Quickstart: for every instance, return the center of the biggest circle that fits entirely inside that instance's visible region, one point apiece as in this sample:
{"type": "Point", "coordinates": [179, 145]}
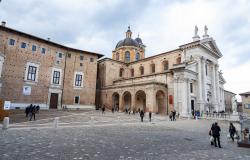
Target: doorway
{"type": "Point", "coordinates": [192, 107]}
{"type": "Point", "coordinates": [53, 101]}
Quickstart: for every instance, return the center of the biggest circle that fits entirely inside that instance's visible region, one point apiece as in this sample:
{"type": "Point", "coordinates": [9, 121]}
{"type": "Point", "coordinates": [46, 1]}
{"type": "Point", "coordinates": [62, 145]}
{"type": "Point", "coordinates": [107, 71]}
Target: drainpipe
{"type": "Point", "coordinates": [64, 72]}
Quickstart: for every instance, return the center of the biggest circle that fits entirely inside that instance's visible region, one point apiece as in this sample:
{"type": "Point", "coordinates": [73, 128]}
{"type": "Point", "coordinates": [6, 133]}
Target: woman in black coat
{"type": "Point", "coordinates": [232, 131]}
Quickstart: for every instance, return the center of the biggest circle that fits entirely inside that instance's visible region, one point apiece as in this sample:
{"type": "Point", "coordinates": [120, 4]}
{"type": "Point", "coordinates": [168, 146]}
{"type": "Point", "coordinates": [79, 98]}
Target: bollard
{"type": "Point", "coordinates": [196, 117]}
{"type": "Point", "coordinates": [6, 122]}
{"type": "Point", "coordinates": [56, 122]}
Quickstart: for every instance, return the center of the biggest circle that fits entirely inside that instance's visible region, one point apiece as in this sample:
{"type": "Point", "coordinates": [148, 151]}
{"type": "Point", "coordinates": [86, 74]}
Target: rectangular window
{"type": "Point", "coordinates": [12, 42]}
{"type": "Point", "coordinates": [56, 77]}
{"type": "Point", "coordinates": [91, 59]}
{"type": "Point", "coordinates": [77, 99]}
{"type": "Point", "coordinates": [60, 55]}
{"type": "Point", "coordinates": [80, 64]}
{"type": "Point", "coordinates": [81, 58]}
{"type": "Point", "coordinates": [43, 50]}
{"type": "Point", "coordinates": [23, 45]}
{"type": "Point", "coordinates": [247, 106]}
{"type": "Point", "coordinates": [69, 55]}
{"type": "Point", "coordinates": [33, 48]}
{"type": "Point", "coordinates": [78, 81]}
{"type": "Point", "coordinates": [191, 87]}
{"type": "Point", "coordinates": [32, 73]}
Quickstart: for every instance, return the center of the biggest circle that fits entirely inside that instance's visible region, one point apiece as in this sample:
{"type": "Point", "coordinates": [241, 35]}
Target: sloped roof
{"type": "Point", "coordinates": [7, 29]}
{"type": "Point", "coordinates": [245, 93]}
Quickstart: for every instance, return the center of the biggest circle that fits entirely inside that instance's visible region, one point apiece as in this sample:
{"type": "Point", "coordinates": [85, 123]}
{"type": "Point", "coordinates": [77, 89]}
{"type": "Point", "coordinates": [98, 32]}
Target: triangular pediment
{"type": "Point", "coordinates": [210, 45]}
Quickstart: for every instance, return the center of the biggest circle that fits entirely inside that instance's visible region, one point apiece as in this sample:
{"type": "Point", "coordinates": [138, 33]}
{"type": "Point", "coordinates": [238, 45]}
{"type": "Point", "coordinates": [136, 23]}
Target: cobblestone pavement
{"type": "Point", "coordinates": [18, 116]}
{"type": "Point", "coordinates": [116, 137]}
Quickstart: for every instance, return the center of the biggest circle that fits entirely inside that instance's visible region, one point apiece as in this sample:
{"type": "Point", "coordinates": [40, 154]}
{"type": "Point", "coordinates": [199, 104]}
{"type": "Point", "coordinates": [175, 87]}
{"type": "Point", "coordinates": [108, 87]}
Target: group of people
{"type": "Point", "coordinates": [31, 111]}
{"type": "Point", "coordinates": [172, 115]}
{"type": "Point", "coordinates": [215, 134]}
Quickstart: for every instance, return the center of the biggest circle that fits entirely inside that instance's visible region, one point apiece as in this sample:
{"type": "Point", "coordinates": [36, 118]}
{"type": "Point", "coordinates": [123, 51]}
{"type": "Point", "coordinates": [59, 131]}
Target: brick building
{"type": "Point", "coordinates": [39, 71]}
{"type": "Point", "coordinates": [228, 100]}
{"type": "Point", "coordinates": [245, 102]}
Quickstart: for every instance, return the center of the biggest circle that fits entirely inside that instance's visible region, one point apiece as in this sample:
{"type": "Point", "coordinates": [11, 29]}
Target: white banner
{"type": "Point", "coordinates": [7, 105]}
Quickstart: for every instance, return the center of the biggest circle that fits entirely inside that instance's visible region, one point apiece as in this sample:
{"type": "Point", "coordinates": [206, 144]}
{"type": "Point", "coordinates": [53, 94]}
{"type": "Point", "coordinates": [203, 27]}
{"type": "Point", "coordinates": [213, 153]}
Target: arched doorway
{"type": "Point", "coordinates": [161, 102]}
{"type": "Point", "coordinates": [126, 100]}
{"type": "Point", "coordinates": [140, 100]}
{"type": "Point", "coordinates": [115, 101]}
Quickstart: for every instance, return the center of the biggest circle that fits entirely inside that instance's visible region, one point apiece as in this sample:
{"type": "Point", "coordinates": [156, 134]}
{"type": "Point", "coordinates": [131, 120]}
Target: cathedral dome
{"type": "Point", "coordinates": [127, 42]}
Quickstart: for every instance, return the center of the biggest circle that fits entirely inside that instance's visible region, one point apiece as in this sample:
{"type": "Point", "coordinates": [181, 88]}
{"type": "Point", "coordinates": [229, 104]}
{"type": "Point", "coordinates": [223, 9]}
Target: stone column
{"type": "Point", "coordinates": [151, 100]}
{"type": "Point", "coordinates": [204, 77]}
{"type": "Point", "coordinates": [214, 85]}
{"type": "Point", "coordinates": [132, 101]}
{"type": "Point", "coordinates": [184, 97]}
{"type": "Point", "coordinates": [217, 85]}
{"type": "Point", "coordinates": [201, 80]}
{"type": "Point", "coordinates": [121, 103]}
{"type": "Point", "coordinates": [175, 99]}
{"type": "Point", "coordinates": [188, 109]}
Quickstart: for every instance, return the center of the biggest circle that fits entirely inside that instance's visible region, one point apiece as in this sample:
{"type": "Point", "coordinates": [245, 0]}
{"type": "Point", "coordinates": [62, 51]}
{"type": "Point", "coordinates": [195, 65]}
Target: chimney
{"type": "Point", "coordinates": [3, 23]}
{"type": "Point", "coordinates": [48, 39]}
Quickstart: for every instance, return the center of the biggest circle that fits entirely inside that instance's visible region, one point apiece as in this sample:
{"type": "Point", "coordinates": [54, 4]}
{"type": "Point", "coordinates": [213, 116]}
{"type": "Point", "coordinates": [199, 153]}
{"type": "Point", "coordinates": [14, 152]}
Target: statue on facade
{"type": "Point", "coordinates": [205, 32]}
{"type": "Point", "coordinates": [234, 105]}
{"type": "Point", "coordinates": [195, 31]}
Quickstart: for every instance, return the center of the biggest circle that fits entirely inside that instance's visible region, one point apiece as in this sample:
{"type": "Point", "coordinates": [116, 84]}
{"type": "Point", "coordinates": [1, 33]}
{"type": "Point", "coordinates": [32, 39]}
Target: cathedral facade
{"type": "Point", "coordinates": [186, 79]}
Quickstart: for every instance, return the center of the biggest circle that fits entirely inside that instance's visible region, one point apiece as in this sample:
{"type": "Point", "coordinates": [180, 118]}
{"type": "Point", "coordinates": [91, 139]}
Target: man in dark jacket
{"type": "Point", "coordinates": [33, 112]}
{"type": "Point", "coordinates": [141, 115]}
{"type": "Point", "coordinates": [216, 134]}
{"type": "Point", "coordinates": [150, 115]}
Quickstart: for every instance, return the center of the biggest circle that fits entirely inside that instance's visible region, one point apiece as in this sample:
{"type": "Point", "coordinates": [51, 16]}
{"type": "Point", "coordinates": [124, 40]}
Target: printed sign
{"type": "Point", "coordinates": [7, 105]}
{"type": "Point", "coordinates": [26, 90]}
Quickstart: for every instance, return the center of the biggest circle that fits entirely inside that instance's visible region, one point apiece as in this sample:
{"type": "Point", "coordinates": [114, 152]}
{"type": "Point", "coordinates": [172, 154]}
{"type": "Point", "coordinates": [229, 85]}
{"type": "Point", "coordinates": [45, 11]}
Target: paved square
{"type": "Point", "coordinates": [115, 137]}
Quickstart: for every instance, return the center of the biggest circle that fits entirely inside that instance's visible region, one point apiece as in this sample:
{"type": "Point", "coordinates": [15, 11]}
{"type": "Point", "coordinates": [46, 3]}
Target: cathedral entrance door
{"type": "Point", "coordinates": [115, 101]}
{"type": "Point", "coordinates": [140, 100]}
{"type": "Point", "coordinates": [126, 100]}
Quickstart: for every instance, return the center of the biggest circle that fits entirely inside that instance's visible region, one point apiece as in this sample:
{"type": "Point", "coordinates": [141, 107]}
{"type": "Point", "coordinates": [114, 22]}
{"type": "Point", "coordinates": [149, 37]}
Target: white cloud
{"type": "Point", "coordinates": [163, 25]}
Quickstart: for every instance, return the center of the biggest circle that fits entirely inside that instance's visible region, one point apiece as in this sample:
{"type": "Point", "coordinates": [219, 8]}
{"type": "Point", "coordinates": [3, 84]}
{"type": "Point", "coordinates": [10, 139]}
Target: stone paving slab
{"type": "Point", "coordinates": [109, 139]}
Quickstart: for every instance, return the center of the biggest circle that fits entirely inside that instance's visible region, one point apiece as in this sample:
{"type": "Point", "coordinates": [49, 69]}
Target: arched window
{"type": "Point", "coordinates": [137, 56]}
{"type": "Point", "coordinates": [165, 65]}
{"type": "Point", "coordinates": [152, 68]}
{"type": "Point", "coordinates": [178, 60]}
{"type": "Point", "coordinates": [127, 56]}
{"type": "Point", "coordinates": [121, 72]}
{"type": "Point", "coordinates": [132, 72]}
{"type": "Point", "coordinates": [142, 70]}
{"type": "Point", "coordinates": [117, 56]}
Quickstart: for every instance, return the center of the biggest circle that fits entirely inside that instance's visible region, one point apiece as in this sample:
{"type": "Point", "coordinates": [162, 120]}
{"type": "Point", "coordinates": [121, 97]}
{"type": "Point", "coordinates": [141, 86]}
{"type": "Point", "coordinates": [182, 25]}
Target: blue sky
{"type": "Point", "coordinates": [97, 25]}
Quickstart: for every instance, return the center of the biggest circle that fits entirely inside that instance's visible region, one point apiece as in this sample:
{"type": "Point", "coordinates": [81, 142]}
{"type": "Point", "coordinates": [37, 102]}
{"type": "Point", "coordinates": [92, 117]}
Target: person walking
{"type": "Point", "coordinates": [211, 135]}
{"type": "Point", "coordinates": [113, 109]}
{"type": "Point", "coordinates": [103, 109]}
{"type": "Point", "coordinates": [33, 112]}
{"type": "Point", "coordinates": [27, 110]}
{"type": "Point", "coordinates": [174, 113]}
{"type": "Point", "coordinates": [171, 116]}
{"type": "Point", "coordinates": [232, 130]}
{"type": "Point", "coordinates": [141, 115]}
{"type": "Point", "coordinates": [216, 134]}
{"type": "Point", "coordinates": [150, 115]}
